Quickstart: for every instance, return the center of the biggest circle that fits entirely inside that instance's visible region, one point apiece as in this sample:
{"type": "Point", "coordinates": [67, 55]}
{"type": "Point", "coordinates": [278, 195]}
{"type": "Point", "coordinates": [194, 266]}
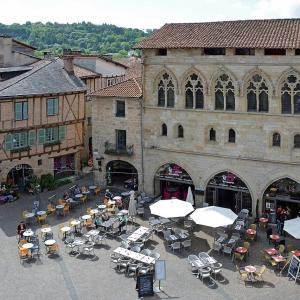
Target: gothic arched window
{"type": "Point", "coordinates": [180, 131]}
{"type": "Point", "coordinates": [166, 91]}
{"type": "Point", "coordinates": [290, 95]}
{"type": "Point", "coordinates": [257, 94]}
{"type": "Point", "coordinates": [194, 92]}
{"type": "Point", "coordinates": [276, 140]}
{"type": "Point", "coordinates": [164, 130]}
{"type": "Point", "coordinates": [231, 136]}
{"type": "Point", "coordinates": [224, 93]}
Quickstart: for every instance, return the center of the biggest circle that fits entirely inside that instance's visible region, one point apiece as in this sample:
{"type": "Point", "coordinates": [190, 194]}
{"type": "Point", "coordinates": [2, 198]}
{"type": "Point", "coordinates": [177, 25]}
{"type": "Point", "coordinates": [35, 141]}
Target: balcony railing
{"type": "Point", "coordinates": [115, 150]}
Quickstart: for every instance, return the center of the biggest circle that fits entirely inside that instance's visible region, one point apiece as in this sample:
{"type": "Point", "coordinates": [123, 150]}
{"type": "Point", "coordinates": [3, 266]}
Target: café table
{"type": "Point", "coordinates": [117, 198]}
{"type": "Point", "coordinates": [250, 272]}
{"type": "Point", "coordinates": [92, 187]}
{"type": "Point", "coordinates": [271, 251]}
{"type": "Point", "coordinates": [41, 213]}
{"type": "Point", "coordinates": [59, 209]}
{"type": "Point", "coordinates": [78, 196]}
{"type": "Point", "coordinates": [135, 256]}
{"type": "Point", "coordinates": [46, 229]}
{"type": "Point", "coordinates": [27, 246]}
{"type": "Point", "coordinates": [274, 238]}
{"type": "Point", "coordinates": [86, 192]}
{"type": "Point", "coordinates": [28, 234]}
{"type": "Point", "coordinates": [278, 259]}
{"type": "Point", "coordinates": [75, 223]}
{"type": "Point", "coordinates": [65, 230]}
{"type": "Point", "coordinates": [263, 220]}
{"type": "Point", "coordinates": [136, 235]}
{"type": "Point", "coordinates": [86, 217]}
{"type": "Point", "coordinates": [49, 243]}
{"type": "Point", "coordinates": [296, 252]}
{"type": "Point", "coordinates": [94, 212]}
{"type": "Point", "coordinates": [29, 217]}
{"type": "Point", "coordinates": [102, 207]}
{"type": "Point", "coordinates": [241, 250]}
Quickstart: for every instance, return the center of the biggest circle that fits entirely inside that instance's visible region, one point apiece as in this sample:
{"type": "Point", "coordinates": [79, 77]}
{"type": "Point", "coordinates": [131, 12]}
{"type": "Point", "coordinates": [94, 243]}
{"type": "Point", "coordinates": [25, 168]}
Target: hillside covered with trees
{"type": "Point", "coordinates": [86, 37]}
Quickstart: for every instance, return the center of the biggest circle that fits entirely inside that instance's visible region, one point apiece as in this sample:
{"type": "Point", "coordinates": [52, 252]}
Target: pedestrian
{"type": "Point", "coordinates": [21, 229]}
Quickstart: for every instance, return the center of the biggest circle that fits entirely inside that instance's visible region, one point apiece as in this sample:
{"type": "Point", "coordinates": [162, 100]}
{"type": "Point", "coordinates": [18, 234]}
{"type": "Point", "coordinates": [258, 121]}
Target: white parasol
{"type": "Point", "coordinates": [132, 205]}
{"type": "Point", "coordinates": [190, 197]}
{"type": "Point", "coordinates": [292, 227]}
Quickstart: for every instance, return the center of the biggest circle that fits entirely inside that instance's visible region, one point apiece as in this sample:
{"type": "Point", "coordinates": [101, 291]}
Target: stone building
{"type": "Point", "coordinates": [117, 134]}
{"type": "Point", "coordinates": [221, 112]}
{"type": "Point", "coordinates": [41, 114]}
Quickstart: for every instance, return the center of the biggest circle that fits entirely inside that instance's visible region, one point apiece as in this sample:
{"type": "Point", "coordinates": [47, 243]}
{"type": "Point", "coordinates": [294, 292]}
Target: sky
{"type": "Point", "coordinates": [144, 14]}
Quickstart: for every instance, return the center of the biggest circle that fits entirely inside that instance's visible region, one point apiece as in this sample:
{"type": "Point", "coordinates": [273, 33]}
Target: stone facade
{"type": "Point", "coordinates": [105, 124]}
{"type": "Point", "coordinates": [252, 157]}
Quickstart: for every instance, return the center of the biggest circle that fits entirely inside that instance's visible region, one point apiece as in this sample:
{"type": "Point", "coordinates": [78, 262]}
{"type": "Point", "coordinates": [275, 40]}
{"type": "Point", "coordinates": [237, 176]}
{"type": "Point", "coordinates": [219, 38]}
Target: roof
{"type": "Point", "coordinates": [134, 66]}
{"type": "Point", "coordinates": [273, 33]}
{"type": "Point", "coordinates": [24, 44]}
{"type": "Point", "coordinates": [84, 73]}
{"type": "Point", "coordinates": [15, 69]}
{"type": "Point", "coordinates": [130, 88]}
{"type": "Point", "coordinates": [46, 77]}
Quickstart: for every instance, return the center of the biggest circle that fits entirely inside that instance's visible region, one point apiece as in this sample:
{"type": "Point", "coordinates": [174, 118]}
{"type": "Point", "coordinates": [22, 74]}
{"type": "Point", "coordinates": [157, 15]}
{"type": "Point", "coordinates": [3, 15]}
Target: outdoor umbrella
{"type": "Point", "coordinates": [172, 208]}
{"type": "Point", "coordinates": [292, 227]}
{"type": "Point", "coordinates": [132, 205]}
{"type": "Point", "coordinates": [213, 216]}
{"type": "Point", "coordinates": [189, 197]}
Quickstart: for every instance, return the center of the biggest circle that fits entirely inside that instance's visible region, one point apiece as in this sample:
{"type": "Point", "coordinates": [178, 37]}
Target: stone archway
{"type": "Point", "coordinates": [171, 180]}
{"type": "Point", "coordinates": [226, 189]}
{"type": "Point", "coordinates": [20, 175]}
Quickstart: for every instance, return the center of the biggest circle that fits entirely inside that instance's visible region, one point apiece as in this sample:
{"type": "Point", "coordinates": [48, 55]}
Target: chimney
{"type": "Point", "coordinates": [68, 60]}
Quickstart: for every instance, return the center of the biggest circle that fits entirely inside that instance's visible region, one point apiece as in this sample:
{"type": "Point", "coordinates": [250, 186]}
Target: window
{"type": "Point", "coordinates": [290, 95]}
{"type": "Point", "coordinates": [19, 140]}
{"type": "Point", "coordinates": [120, 108]}
{"type": "Point", "coordinates": [276, 140]}
{"type": "Point", "coordinates": [297, 141]}
{"type": "Point", "coordinates": [231, 136]}
{"type": "Point", "coordinates": [21, 110]}
{"type": "Point", "coordinates": [161, 52]}
{"type": "Point", "coordinates": [51, 134]}
{"type": "Point", "coordinates": [297, 51]}
{"type": "Point", "coordinates": [52, 106]}
{"type": "Point", "coordinates": [121, 139]}
{"type": "Point", "coordinates": [166, 93]}
{"type": "Point", "coordinates": [89, 121]}
{"type": "Point", "coordinates": [180, 131]}
{"type": "Point", "coordinates": [40, 162]}
{"type": "Point", "coordinates": [194, 92]}
{"type": "Point", "coordinates": [164, 130]}
{"type": "Point", "coordinates": [214, 51]}
{"type": "Point", "coordinates": [275, 51]}
{"type": "Point", "coordinates": [212, 135]}
{"type": "Point", "coordinates": [244, 51]}
{"type": "Point", "coordinates": [257, 94]}
{"type": "Point", "coordinates": [224, 93]}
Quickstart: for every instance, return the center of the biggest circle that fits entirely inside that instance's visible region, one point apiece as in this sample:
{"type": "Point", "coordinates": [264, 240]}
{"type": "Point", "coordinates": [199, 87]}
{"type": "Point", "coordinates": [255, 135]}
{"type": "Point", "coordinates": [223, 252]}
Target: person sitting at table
{"type": "Point", "coordinates": [119, 204]}
{"type": "Point", "coordinates": [122, 220]}
{"type": "Point", "coordinates": [108, 194]}
{"type": "Point", "coordinates": [21, 229]}
{"type": "Point", "coordinates": [77, 190]}
{"type": "Point", "coordinates": [97, 221]}
{"type": "Point", "coordinates": [105, 216]}
{"type": "Point", "coordinates": [66, 195]}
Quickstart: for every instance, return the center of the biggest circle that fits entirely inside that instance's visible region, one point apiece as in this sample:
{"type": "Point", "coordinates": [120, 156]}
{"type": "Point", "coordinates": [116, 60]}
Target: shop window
{"type": "Point", "coordinates": [212, 135]}
{"type": "Point", "coordinates": [161, 52]}
{"type": "Point", "coordinates": [231, 136]}
{"type": "Point", "coordinates": [244, 51]}
{"type": "Point", "coordinates": [276, 141]}
{"type": "Point", "coordinates": [164, 130]}
{"type": "Point", "coordinates": [180, 131]}
{"type": "Point", "coordinates": [224, 93]}
{"type": "Point", "coordinates": [194, 92]}
{"type": "Point", "coordinates": [120, 108]}
{"type": "Point", "coordinates": [290, 95]}
{"type": "Point", "coordinates": [275, 51]}
{"type": "Point", "coordinates": [166, 91]}
{"type": "Point", "coordinates": [214, 51]}
{"type": "Point", "coordinates": [297, 141]}
{"type": "Point", "coordinates": [257, 94]}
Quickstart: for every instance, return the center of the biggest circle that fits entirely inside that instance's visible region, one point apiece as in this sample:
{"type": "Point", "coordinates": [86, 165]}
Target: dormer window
{"type": "Point", "coordinates": [274, 51]}
{"type": "Point", "coordinates": [214, 51]}
{"type": "Point", "coordinates": [244, 51]}
{"type": "Point", "coordinates": [161, 52]}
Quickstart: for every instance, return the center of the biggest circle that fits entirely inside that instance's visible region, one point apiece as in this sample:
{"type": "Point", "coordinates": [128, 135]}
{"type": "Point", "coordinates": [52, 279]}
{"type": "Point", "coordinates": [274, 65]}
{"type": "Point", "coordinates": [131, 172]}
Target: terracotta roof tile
{"type": "Point", "coordinates": [131, 88]}
{"type": "Point", "coordinates": [274, 33]}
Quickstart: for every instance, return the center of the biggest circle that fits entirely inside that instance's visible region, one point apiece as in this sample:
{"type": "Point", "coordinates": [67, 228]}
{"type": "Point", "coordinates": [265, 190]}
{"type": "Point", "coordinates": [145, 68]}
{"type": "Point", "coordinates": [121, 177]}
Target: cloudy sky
{"type": "Point", "coordinates": [144, 13]}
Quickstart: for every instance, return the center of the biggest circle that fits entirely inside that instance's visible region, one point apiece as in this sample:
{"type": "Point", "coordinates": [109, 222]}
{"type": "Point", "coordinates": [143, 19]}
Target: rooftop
{"type": "Point", "coordinates": [273, 33]}
{"type": "Point", "coordinates": [84, 73]}
{"type": "Point", "coordinates": [130, 88]}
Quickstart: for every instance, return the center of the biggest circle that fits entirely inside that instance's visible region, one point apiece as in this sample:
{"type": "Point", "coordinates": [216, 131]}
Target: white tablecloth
{"type": "Point", "coordinates": [138, 234]}
{"type": "Point", "coordinates": [134, 255]}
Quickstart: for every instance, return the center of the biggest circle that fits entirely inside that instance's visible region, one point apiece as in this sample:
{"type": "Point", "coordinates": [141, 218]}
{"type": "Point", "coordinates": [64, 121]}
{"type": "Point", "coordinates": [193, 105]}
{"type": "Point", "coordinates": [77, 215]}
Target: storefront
{"type": "Point", "coordinates": [121, 174]}
{"type": "Point", "coordinates": [20, 175]}
{"type": "Point", "coordinates": [171, 180]}
{"type": "Point", "coordinates": [64, 166]}
{"type": "Point", "coordinates": [227, 190]}
{"type": "Point", "coordinates": [284, 192]}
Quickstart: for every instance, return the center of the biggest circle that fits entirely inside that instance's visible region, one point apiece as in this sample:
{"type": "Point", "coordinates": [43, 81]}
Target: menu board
{"type": "Point", "coordinates": [160, 270]}
{"type": "Point", "coordinates": [145, 285]}
{"type": "Point", "coordinates": [294, 268]}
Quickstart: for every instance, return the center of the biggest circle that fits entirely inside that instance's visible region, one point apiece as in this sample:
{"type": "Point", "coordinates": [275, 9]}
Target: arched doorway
{"type": "Point", "coordinates": [228, 190]}
{"type": "Point", "coordinates": [20, 175]}
{"type": "Point", "coordinates": [121, 174]}
{"type": "Point", "coordinates": [283, 192]}
{"type": "Point", "coordinates": [171, 180]}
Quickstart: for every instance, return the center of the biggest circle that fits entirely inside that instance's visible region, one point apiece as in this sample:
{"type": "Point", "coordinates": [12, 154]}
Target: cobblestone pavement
{"type": "Point", "coordinates": [68, 277]}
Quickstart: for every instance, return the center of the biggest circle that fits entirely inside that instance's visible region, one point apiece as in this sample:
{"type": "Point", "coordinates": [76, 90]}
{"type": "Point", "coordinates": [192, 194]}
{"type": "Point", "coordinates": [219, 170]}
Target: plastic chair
{"type": "Point", "coordinates": [52, 249]}
{"type": "Point", "coordinates": [186, 244]}
{"type": "Point", "coordinates": [258, 275]}
{"type": "Point", "coordinates": [50, 209]}
{"type": "Point", "coordinates": [23, 254]}
{"type": "Point", "coordinates": [204, 273]}
{"type": "Point", "coordinates": [216, 269]}
{"type": "Point", "coordinates": [253, 226]}
{"type": "Point", "coordinates": [42, 219]}
{"type": "Point", "coordinates": [66, 209]}
{"type": "Point", "coordinates": [132, 267]}
{"type": "Point", "coordinates": [281, 249]}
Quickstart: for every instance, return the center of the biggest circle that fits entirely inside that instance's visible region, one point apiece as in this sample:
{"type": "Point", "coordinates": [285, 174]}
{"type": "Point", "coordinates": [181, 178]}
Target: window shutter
{"type": "Point", "coordinates": [8, 142]}
{"type": "Point", "coordinates": [55, 133]}
{"type": "Point", "coordinates": [62, 132]}
{"type": "Point", "coordinates": [18, 111]}
{"type": "Point", "coordinates": [31, 137]}
{"type": "Point", "coordinates": [42, 136]}
{"type": "Point", "coordinates": [55, 104]}
{"type": "Point", "coordinates": [24, 137]}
